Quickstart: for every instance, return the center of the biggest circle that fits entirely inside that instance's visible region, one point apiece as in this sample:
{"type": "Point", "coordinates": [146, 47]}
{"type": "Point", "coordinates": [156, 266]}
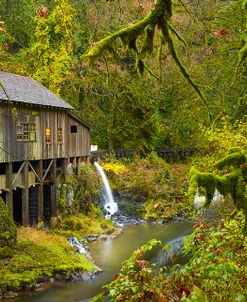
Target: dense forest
{"type": "Point", "coordinates": [145, 75]}
{"type": "Point", "coordinates": [48, 40]}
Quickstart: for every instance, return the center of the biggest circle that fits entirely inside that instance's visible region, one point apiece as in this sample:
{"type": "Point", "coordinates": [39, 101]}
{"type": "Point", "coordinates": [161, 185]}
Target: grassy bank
{"type": "Point", "coordinates": [39, 255]}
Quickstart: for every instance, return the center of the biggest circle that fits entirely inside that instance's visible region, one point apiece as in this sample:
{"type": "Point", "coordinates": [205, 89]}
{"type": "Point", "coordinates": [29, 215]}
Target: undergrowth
{"type": "Point", "coordinates": [150, 180]}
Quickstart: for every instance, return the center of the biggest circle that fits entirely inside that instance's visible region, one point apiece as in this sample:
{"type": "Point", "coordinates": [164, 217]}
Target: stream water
{"type": "Point", "coordinates": [109, 255]}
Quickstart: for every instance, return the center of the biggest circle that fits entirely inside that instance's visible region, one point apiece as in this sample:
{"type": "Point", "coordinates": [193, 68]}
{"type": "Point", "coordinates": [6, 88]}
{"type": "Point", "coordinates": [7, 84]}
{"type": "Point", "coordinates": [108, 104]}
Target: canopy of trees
{"type": "Point", "coordinates": [191, 56]}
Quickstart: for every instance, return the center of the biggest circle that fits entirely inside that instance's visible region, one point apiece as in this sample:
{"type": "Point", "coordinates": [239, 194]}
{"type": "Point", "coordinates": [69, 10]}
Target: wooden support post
{"type": "Point", "coordinates": [87, 160]}
{"type": "Point", "coordinates": [9, 178]}
{"type": "Point", "coordinates": [25, 203]}
{"type": "Point", "coordinates": [64, 169]}
{"type": "Point", "coordinates": [54, 188]}
{"type": "Point", "coordinates": [40, 192]}
{"type": "Point", "coordinates": [79, 166]}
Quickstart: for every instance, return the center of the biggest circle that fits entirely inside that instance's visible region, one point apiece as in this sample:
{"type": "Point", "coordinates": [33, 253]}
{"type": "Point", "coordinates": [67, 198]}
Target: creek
{"type": "Point", "coordinates": [109, 255]}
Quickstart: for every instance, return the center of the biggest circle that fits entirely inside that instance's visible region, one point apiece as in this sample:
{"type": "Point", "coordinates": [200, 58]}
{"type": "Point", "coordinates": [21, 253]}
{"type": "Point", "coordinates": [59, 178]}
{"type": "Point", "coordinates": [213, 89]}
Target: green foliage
{"type": "Point", "coordinates": [148, 179]}
{"type": "Point", "coordinates": [82, 225]}
{"type": "Point", "coordinates": [243, 50]}
{"type": "Point", "coordinates": [217, 257]}
{"type": "Point", "coordinates": [8, 232]}
{"type": "Point", "coordinates": [52, 46]}
{"type": "Point", "coordinates": [80, 193]}
{"type": "Point", "coordinates": [158, 17]}
{"type": "Point", "coordinates": [136, 280]}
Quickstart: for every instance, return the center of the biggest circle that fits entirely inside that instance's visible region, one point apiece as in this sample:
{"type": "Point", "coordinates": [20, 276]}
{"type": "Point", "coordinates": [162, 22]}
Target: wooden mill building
{"type": "Point", "coordinates": [40, 137]}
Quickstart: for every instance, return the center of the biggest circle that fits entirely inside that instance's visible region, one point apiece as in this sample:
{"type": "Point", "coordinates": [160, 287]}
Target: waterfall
{"type": "Point", "coordinates": [110, 205]}
{"type": "Point", "coordinates": [81, 248]}
{"type": "Point", "coordinates": [167, 257]}
{"type": "Point", "coordinates": [200, 200]}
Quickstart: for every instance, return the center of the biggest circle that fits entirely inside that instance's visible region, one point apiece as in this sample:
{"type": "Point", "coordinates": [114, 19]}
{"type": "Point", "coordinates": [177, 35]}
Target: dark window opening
{"type": "Point", "coordinates": [73, 129]}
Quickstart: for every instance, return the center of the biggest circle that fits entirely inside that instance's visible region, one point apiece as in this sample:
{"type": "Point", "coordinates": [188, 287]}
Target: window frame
{"type": "Point", "coordinates": [60, 135]}
{"type": "Point", "coordinates": [48, 137]}
{"type": "Point", "coordinates": [26, 132]}
{"type": "Point", "coordinates": [73, 129]}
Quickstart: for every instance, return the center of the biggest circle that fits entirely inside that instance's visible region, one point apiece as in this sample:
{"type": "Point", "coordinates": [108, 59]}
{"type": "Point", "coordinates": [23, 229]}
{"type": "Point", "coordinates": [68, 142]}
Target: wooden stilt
{"type": "Point", "coordinates": [40, 192]}
{"type": "Point", "coordinates": [9, 185]}
{"type": "Point", "coordinates": [54, 189]}
{"type": "Point", "coordinates": [79, 160]}
{"type": "Point", "coordinates": [64, 169]}
{"type": "Point", "coordinates": [25, 207]}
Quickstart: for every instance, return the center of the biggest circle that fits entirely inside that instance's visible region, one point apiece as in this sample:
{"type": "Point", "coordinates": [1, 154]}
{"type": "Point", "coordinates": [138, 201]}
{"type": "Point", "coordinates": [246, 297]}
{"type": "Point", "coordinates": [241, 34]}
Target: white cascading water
{"type": "Point", "coordinates": [200, 200]}
{"type": "Point", "coordinates": [110, 205]}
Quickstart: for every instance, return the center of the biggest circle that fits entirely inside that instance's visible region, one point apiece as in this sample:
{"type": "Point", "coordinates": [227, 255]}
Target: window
{"type": "Point", "coordinates": [48, 135]}
{"type": "Point", "coordinates": [73, 129]}
{"type": "Point", "coordinates": [25, 132]}
{"type": "Point", "coordinates": [59, 136]}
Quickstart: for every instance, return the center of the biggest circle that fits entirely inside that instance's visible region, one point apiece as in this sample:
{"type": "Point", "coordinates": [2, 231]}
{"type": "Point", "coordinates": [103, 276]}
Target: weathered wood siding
{"type": "Point", "coordinates": [73, 144]}
{"type": "Point", "coordinates": [78, 141]}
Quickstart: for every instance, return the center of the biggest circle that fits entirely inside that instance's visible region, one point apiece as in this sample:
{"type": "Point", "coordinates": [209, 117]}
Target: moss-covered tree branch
{"type": "Point", "coordinates": [159, 17]}
{"type": "Point", "coordinates": [232, 183]}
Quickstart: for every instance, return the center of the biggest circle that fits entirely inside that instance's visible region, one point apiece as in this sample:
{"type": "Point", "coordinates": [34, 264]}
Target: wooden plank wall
{"type": "Point", "coordinates": [74, 144]}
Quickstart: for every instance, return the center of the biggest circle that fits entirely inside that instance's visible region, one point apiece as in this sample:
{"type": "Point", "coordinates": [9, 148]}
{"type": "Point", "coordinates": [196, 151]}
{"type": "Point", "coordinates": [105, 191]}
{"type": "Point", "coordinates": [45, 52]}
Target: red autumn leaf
{"type": "Point", "coordinates": [220, 33]}
{"type": "Point", "coordinates": [1, 29]}
{"type": "Point", "coordinates": [200, 224]}
{"type": "Point", "coordinates": [200, 237]}
{"type": "Point", "coordinates": [5, 46]}
{"type": "Point", "coordinates": [141, 263]}
{"type": "Point", "coordinates": [43, 12]}
{"type": "Point", "coordinates": [148, 294]}
{"type": "Point", "coordinates": [138, 254]}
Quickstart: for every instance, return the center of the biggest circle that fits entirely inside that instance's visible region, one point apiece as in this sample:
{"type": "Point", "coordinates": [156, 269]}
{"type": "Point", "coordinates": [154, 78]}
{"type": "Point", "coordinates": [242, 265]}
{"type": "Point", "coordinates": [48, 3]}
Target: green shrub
{"type": "Point", "coordinates": [8, 233]}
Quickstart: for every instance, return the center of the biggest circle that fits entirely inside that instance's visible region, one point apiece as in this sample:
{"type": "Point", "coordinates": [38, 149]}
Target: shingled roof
{"type": "Point", "coordinates": [23, 89]}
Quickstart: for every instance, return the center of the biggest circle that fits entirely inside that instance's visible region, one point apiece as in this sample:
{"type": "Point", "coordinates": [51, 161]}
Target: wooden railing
{"type": "Point", "coordinates": [169, 154]}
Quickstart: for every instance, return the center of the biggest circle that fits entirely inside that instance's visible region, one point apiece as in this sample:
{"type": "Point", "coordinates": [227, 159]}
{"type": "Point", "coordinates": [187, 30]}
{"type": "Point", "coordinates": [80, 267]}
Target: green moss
{"type": "Point", "coordinates": [159, 17]}
{"type": "Point", "coordinates": [82, 225]}
{"type": "Point", "coordinates": [233, 159]}
{"type": "Point", "coordinates": [232, 183]}
{"type": "Point", "coordinates": [38, 254]}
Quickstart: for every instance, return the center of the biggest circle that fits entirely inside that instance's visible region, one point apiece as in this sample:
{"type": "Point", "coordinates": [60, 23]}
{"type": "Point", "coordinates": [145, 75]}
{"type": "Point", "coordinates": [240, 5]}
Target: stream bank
{"type": "Point", "coordinates": [117, 250]}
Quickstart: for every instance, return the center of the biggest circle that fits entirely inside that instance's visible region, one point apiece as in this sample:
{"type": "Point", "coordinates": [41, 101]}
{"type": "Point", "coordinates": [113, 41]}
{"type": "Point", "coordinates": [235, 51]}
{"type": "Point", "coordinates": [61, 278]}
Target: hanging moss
{"type": "Point", "coordinates": [243, 51]}
{"type": "Point", "coordinates": [147, 47]}
{"type": "Point", "coordinates": [232, 184]}
{"type": "Point", "coordinates": [160, 17]}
